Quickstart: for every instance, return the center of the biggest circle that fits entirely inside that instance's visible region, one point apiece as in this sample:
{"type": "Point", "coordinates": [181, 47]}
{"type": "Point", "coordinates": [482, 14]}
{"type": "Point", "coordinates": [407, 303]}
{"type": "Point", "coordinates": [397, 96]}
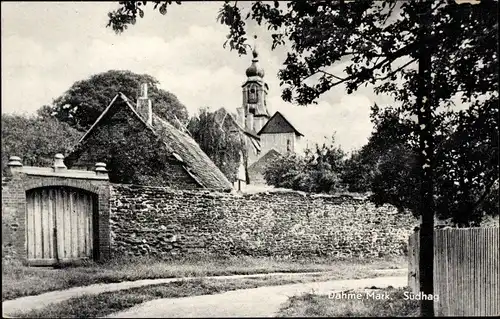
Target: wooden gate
{"type": "Point", "coordinates": [59, 225]}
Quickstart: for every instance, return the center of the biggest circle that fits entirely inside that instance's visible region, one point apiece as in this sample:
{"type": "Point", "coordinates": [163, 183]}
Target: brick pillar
{"type": "Point", "coordinates": [13, 208]}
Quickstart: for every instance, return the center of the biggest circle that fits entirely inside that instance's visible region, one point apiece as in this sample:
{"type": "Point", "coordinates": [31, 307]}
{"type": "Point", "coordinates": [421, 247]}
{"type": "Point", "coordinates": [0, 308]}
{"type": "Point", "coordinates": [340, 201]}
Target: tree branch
{"type": "Point", "coordinates": [389, 59]}
{"type": "Point", "coordinates": [329, 74]}
{"type": "Point", "coordinates": [395, 71]}
{"type": "Point", "coordinates": [484, 195]}
{"type": "Point", "coordinates": [389, 13]}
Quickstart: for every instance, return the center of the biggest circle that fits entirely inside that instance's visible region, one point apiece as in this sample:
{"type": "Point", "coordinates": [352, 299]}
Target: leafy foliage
{"type": "Point", "coordinates": [284, 171]}
{"type": "Point", "coordinates": [317, 171]}
{"type": "Point", "coordinates": [466, 168]}
{"type": "Point", "coordinates": [392, 137]}
{"type": "Point", "coordinates": [466, 179]}
{"type": "Point", "coordinates": [85, 100]}
{"type": "Point", "coordinates": [35, 139]}
{"type": "Point", "coordinates": [127, 13]}
{"type": "Point", "coordinates": [467, 165]}
{"type": "Point", "coordinates": [215, 134]}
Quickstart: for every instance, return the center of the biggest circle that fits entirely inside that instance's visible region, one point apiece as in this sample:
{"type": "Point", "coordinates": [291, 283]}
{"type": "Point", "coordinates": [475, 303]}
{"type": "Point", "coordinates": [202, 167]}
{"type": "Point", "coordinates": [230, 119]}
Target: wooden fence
{"type": "Point", "coordinates": [466, 271]}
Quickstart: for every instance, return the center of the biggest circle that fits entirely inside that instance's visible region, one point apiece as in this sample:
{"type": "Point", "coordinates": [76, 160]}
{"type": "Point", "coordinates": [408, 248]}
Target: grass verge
{"type": "Point", "coordinates": [19, 281]}
{"type": "Point", "coordinates": [92, 306]}
{"type": "Point", "coordinates": [311, 305]}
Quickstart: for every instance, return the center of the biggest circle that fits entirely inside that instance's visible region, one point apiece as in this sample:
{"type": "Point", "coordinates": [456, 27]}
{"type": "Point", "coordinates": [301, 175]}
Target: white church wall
{"type": "Point", "coordinates": [299, 145]}
{"type": "Point", "coordinates": [259, 122]}
{"type": "Point", "coordinates": [277, 141]}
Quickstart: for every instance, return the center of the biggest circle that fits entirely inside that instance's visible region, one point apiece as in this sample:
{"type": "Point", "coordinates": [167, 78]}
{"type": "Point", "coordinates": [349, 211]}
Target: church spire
{"type": "Point", "coordinates": [255, 69]}
{"type": "Point", "coordinates": [254, 51]}
{"type": "Point", "coordinates": [254, 106]}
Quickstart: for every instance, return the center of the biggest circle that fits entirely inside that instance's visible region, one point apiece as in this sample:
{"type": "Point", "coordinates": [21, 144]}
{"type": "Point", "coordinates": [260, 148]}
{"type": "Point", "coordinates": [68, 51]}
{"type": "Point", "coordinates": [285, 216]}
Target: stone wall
{"type": "Point", "coordinates": [162, 222]}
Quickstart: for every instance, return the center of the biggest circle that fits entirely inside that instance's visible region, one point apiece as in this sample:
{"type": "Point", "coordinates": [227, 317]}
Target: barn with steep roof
{"type": "Point", "coordinates": [178, 160]}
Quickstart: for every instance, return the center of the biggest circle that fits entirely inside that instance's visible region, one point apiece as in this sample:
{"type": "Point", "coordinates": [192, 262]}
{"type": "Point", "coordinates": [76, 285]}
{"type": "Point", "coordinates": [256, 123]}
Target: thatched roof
{"type": "Point", "coordinates": [180, 146]}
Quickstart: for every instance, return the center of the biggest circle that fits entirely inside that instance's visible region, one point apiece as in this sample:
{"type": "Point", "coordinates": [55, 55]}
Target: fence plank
{"type": "Point", "coordinates": [462, 289]}
{"type": "Point", "coordinates": [496, 270]}
{"type": "Point", "coordinates": [50, 223]}
{"type": "Point", "coordinates": [438, 264]}
{"type": "Point", "coordinates": [466, 270]}
{"type": "Point", "coordinates": [468, 276]}
{"type": "Point", "coordinates": [436, 273]}
{"type": "Point", "coordinates": [482, 286]}
{"type": "Point", "coordinates": [475, 283]}
{"type": "Point", "coordinates": [80, 198]}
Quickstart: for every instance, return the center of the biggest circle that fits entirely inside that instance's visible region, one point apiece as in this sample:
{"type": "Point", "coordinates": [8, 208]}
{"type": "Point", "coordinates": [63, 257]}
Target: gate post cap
{"type": "Point", "coordinates": [59, 162]}
{"type": "Point", "coordinates": [14, 161]}
{"type": "Point", "coordinates": [100, 167]}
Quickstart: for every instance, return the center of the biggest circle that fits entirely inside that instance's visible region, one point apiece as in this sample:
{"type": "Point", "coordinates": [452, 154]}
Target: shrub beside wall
{"type": "Point", "coordinates": [161, 222]}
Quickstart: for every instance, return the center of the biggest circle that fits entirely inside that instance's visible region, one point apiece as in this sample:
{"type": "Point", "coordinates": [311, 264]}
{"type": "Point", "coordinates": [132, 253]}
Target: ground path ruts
{"type": "Point", "coordinates": [256, 302]}
{"type": "Point", "coordinates": [30, 303]}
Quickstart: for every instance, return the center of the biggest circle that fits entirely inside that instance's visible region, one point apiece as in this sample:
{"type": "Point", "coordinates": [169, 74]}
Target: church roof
{"type": "Point", "coordinates": [223, 115]}
{"type": "Point", "coordinates": [260, 165]}
{"type": "Point", "coordinates": [181, 147]}
{"type": "Point", "coordinates": [278, 124]}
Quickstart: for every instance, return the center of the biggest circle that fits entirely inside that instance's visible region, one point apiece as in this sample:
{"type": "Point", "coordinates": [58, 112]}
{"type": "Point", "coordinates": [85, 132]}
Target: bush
{"type": "Point", "coordinates": [317, 171]}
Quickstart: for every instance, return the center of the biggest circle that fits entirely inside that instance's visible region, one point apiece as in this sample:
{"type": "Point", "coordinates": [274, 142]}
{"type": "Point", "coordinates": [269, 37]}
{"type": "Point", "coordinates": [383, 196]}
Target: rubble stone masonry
{"type": "Point", "coordinates": [161, 222]}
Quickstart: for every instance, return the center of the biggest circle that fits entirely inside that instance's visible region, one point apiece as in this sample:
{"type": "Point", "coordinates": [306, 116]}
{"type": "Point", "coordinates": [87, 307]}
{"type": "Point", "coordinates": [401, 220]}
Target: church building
{"type": "Point", "coordinates": [270, 135]}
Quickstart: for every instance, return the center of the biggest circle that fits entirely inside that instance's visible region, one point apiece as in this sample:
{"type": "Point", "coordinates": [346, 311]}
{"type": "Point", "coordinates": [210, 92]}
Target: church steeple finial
{"type": "Point", "coordinates": [254, 52]}
{"type": "Point", "coordinates": [255, 69]}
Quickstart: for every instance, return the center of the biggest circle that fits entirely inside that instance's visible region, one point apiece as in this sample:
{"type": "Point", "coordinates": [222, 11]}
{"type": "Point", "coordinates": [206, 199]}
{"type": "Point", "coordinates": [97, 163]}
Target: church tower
{"type": "Point", "coordinates": [266, 137]}
{"type": "Point", "coordinates": [253, 112]}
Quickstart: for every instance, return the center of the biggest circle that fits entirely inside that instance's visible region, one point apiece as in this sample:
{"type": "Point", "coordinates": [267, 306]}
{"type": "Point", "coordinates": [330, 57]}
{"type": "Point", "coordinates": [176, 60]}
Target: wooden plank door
{"type": "Point", "coordinates": [59, 225]}
{"type": "Point", "coordinates": [40, 223]}
{"type": "Point", "coordinates": [74, 225]}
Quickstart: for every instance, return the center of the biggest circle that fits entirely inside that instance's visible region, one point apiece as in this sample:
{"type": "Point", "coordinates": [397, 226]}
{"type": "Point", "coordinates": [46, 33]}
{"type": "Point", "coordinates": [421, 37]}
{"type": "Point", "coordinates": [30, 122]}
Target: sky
{"type": "Point", "coordinates": [47, 46]}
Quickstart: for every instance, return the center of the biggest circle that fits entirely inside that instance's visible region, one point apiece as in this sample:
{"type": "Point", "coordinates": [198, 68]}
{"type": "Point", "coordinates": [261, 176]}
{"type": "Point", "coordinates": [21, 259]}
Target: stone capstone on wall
{"type": "Point", "coordinates": [162, 222]}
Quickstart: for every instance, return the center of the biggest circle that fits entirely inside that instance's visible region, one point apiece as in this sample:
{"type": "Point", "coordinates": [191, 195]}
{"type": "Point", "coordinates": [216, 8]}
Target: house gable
{"type": "Point", "coordinates": [117, 132]}
{"type": "Point", "coordinates": [278, 124]}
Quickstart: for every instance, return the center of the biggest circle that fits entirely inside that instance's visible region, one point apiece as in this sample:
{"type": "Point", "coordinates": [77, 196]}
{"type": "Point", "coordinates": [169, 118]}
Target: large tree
{"type": "Point", "coordinates": [379, 41]}
{"type": "Point", "coordinates": [218, 137]}
{"type": "Point", "coordinates": [36, 139]}
{"type": "Point", "coordinates": [455, 47]}
{"type": "Point", "coordinates": [84, 101]}
{"type": "Point", "coordinates": [466, 164]}
{"type": "Point", "coordinates": [391, 135]}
